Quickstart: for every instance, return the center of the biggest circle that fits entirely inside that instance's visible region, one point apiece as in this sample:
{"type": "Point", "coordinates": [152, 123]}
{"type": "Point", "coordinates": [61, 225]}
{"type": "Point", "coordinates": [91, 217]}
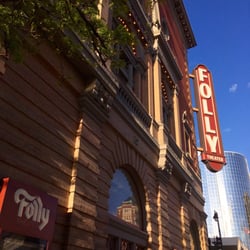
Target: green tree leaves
{"type": "Point", "coordinates": [48, 19]}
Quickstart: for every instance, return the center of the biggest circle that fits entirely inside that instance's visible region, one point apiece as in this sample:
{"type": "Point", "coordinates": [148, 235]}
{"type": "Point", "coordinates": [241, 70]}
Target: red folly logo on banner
{"type": "Point", "coordinates": [209, 130]}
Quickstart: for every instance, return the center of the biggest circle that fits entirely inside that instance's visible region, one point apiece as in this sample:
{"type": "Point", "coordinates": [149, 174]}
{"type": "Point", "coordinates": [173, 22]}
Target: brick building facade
{"type": "Point", "coordinates": [67, 127]}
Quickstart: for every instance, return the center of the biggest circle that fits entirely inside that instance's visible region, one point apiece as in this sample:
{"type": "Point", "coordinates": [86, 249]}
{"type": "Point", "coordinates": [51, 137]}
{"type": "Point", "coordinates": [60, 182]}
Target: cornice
{"type": "Point", "coordinates": [185, 24]}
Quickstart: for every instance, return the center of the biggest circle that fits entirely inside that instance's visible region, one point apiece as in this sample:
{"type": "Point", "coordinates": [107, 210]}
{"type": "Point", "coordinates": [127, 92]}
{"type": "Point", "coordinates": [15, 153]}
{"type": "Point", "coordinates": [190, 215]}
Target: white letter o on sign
{"type": "Point", "coordinates": [205, 90]}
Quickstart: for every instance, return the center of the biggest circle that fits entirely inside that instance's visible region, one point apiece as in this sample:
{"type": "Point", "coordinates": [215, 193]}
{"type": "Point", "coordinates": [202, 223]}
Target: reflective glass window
{"type": "Point", "coordinates": [123, 198]}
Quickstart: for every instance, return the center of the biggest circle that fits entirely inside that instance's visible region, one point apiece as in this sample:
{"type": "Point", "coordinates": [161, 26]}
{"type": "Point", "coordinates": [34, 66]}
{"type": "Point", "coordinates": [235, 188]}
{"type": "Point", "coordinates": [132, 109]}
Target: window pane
{"type": "Point", "coordinates": [122, 199]}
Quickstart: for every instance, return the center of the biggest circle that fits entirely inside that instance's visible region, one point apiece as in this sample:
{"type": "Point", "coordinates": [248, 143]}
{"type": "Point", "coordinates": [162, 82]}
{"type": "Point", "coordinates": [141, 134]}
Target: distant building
{"type": "Point", "coordinates": [127, 211]}
{"type": "Point", "coordinates": [230, 243]}
{"type": "Point", "coordinates": [227, 192]}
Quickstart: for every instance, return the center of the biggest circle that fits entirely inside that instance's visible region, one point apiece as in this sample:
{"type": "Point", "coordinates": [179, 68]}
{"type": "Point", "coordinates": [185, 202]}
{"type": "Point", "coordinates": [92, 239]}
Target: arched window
{"type": "Point", "coordinates": [127, 216]}
{"type": "Point", "coordinates": [123, 199]}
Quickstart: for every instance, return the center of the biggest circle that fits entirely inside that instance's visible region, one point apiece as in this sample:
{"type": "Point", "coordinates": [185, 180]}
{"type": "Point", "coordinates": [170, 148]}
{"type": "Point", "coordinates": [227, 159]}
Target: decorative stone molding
{"type": "Point", "coordinates": [128, 99]}
{"type": "Point", "coordinates": [186, 190]}
{"type": "Point", "coordinates": [97, 100]}
{"type": "Point", "coordinates": [101, 96]}
{"type": "Point", "coordinates": [165, 173]}
{"type": "Point", "coordinates": [185, 24]}
{"type": "Point", "coordinates": [168, 169]}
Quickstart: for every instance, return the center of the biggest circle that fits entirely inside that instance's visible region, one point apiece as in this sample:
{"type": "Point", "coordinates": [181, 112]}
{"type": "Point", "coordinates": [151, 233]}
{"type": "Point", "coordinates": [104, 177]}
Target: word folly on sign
{"type": "Point", "coordinates": [209, 130]}
{"type": "Point", "coordinates": [26, 210]}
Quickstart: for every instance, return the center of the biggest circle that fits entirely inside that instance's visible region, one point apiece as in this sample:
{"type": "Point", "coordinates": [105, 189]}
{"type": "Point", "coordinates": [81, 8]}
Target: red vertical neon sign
{"type": "Point", "coordinates": [210, 136]}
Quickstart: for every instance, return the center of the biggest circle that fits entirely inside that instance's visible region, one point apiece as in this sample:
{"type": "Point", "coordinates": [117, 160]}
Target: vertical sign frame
{"type": "Point", "coordinates": [209, 130]}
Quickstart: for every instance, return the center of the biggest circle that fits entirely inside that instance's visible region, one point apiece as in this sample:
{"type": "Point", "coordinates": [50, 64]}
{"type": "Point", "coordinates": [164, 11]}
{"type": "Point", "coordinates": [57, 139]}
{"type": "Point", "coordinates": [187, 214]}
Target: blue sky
{"type": "Point", "coordinates": [222, 32]}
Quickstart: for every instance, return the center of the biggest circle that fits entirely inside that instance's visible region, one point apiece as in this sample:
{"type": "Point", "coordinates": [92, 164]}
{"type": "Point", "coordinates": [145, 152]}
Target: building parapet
{"type": "Point", "coordinates": [131, 103]}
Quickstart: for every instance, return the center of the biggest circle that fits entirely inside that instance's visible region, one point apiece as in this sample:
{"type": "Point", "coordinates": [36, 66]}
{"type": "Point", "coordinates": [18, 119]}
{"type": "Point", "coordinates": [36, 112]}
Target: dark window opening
{"type": "Point", "coordinates": [9, 241]}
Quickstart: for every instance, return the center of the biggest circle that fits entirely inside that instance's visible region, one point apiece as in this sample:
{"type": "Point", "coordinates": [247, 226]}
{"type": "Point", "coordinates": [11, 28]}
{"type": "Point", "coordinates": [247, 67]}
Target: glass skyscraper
{"type": "Point", "coordinates": [227, 192]}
